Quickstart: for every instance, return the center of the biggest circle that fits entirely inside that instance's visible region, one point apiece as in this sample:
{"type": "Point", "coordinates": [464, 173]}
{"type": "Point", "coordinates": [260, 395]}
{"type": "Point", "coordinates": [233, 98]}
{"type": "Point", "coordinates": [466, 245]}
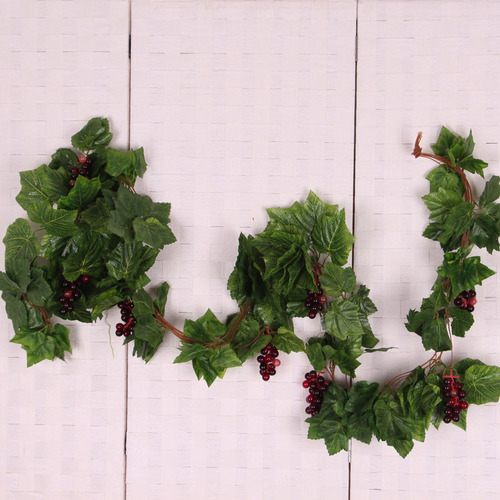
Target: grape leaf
{"type": "Point", "coordinates": [161, 297]}
{"type": "Point", "coordinates": [337, 280]}
{"type": "Point", "coordinates": [285, 340]}
{"type": "Point", "coordinates": [491, 191]}
{"type": "Point", "coordinates": [83, 193]}
{"type": "Point", "coordinates": [331, 236]}
{"type": "Point", "coordinates": [342, 320]}
{"type": "Point", "coordinates": [130, 164]}
{"type": "Point", "coordinates": [42, 184]}
{"type": "Point", "coordinates": [460, 218]}
{"type": "Point", "coordinates": [87, 258]}
{"type": "Point", "coordinates": [486, 230]}
{"type": "Point", "coordinates": [97, 216]}
{"type": "Point", "coordinates": [38, 290]}
{"type": "Point", "coordinates": [204, 329]}
{"type": "Point", "coordinates": [315, 353]}
{"type": "Point", "coordinates": [37, 344]}
{"type": "Point", "coordinates": [55, 222]}
{"type": "Point", "coordinates": [435, 335]}
{"type": "Point", "coordinates": [462, 321]}
{"type": "Point", "coordinates": [441, 202]}
{"type": "Point", "coordinates": [95, 133]}
{"type": "Point", "coordinates": [248, 339]}
{"type": "Point", "coordinates": [391, 423]}
{"type": "Point", "coordinates": [443, 177]}
{"type": "Point", "coordinates": [465, 273]}
{"type": "Point", "coordinates": [446, 140]}
{"type": "Point", "coordinates": [63, 157]}
{"type": "Point", "coordinates": [473, 165]}
{"type": "Point", "coordinates": [129, 260]}
{"type": "Point", "coordinates": [152, 232]}
{"type": "Point", "coordinates": [482, 384]}
{"type": "Point", "coordinates": [20, 242]}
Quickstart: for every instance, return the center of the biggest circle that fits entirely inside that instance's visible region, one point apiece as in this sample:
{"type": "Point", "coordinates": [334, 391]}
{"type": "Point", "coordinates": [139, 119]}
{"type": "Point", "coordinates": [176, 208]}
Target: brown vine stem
{"type": "Point", "coordinates": [222, 341]}
{"type": "Point", "coordinates": [127, 182]}
{"type": "Point", "coordinates": [41, 310]}
{"type": "Point", "coordinates": [468, 196]}
{"type": "Point", "coordinates": [398, 379]}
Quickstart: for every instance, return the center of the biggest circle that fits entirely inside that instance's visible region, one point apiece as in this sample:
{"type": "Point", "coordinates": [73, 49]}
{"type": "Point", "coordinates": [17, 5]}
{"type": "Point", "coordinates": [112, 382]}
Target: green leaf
{"type": "Point", "coordinates": [52, 246]}
{"type": "Point", "coordinates": [391, 423]}
{"type": "Point", "coordinates": [361, 397]}
{"type": "Point", "coordinates": [473, 165]}
{"type": "Point", "coordinates": [342, 320]}
{"type": "Point", "coordinates": [223, 357]}
{"type": "Point", "coordinates": [18, 274]}
{"type": "Point", "coordinates": [87, 258]}
{"type": "Point", "coordinates": [129, 164]}
{"type": "Point", "coordinates": [486, 231]}
{"type": "Point", "coordinates": [460, 218]}
{"type": "Point", "coordinates": [20, 242]}
{"type": "Point", "coordinates": [465, 273]}
{"type": "Point", "coordinates": [443, 177]}
{"type": "Point", "coordinates": [435, 335]}
{"type": "Point", "coordinates": [37, 344]}
{"type": "Point", "coordinates": [103, 301]}
{"type": "Point", "coordinates": [246, 282]}
{"type": "Point", "coordinates": [285, 340]}
{"type": "Point", "coordinates": [63, 157]}
{"type": "Point", "coordinates": [152, 232]}
{"type": "Point", "coordinates": [95, 133]}
{"type": "Point", "coordinates": [189, 352]}
{"type": "Point", "coordinates": [97, 216]}
{"type": "Point", "coordinates": [205, 329]}
{"type": "Point", "coordinates": [337, 280]}
{"type": "Point", "coordinates": [55, 222]}
{"type": "Point", "coordinates": [84, 192]}
{"type": "Point", "coordinates": [161, 297]}
{"type": "Point", "coordinates": [60, 334]}
{"type": "Point", "coordinates": [129, 260]}
{"type": "Point", "coordinates": [482, 384]}
{"type": "Point", "coordinates": [42, 184]}
{"type": "Point", "coordinates": [331, 236]}
{"type": "Point", "coordinates": [445, 141]}
{"type": "Point", "coordinates": [441, 202]}
{"type": "Point", "coordinates": [129, 206]}
{"type": "Point", "coordinates": [345, 353]}
{"type": "Point", "coordinates": [248, 339]}
{"type": "Point", "coordinates": [328, 424]}
{"type": "Point", "coordinates": [38, 290]}
{"type": "Point", "coordinates": [491, 191]}
{"type": "Point", "coordinates": [314, 351]}
{"type": "Point", "coordinates": [463, 365]}
{"type": "Point", "coordinates": [462, 321]}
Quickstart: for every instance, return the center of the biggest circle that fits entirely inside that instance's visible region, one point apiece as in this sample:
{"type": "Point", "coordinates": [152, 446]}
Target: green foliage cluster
{"type": "Point", "coordinates": [100, 227]}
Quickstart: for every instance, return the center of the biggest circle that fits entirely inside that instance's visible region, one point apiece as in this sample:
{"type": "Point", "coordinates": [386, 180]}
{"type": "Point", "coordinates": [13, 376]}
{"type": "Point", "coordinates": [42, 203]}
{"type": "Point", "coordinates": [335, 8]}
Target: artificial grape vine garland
{"type": "Point", "coordinates": [97, 238]}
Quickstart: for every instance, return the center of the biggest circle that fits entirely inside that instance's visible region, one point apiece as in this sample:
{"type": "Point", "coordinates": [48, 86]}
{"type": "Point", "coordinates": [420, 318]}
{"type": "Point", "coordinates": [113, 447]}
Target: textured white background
{"type": "Point", "coordinates": [241, 105]}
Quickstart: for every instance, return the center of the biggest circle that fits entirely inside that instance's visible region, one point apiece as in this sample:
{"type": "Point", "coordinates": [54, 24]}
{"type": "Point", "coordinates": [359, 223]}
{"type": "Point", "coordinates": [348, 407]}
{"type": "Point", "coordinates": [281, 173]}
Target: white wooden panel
{"type": "Point", "coordinates": [61, 424]}
{"type": "Point", "coordinates": [422, 65]}
{"type": "Point", "coordinates": [242, 106]}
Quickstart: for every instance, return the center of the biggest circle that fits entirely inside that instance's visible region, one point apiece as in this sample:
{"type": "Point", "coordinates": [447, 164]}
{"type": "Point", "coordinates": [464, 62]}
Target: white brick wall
{"type": "Point", "coordinates": [242, 105]}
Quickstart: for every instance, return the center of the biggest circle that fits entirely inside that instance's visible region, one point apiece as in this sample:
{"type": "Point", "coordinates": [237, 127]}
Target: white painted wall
{"type": "Point", "coordinates": [242, 105]}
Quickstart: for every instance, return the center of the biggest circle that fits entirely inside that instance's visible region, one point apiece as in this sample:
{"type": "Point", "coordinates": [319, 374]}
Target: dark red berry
{"type": "Point", "coordinates": [85, 278]}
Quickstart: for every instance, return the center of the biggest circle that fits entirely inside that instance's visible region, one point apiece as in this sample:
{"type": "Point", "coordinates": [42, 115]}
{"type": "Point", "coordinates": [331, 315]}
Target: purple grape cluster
{"type": "Point", "coordinates": [317, 385]}
{"type": "Point", "coordinates": [466, 300]}
{"type": "Point", "coordinates": [268, 361]}
{"type": "Point", "coordinates": [81, 168]}
{"type": "Point", "coordinates": [455, 398]}
{"type": "Point", "coordinates": [127, 327]}
{"type": "Point", "coordinates": [71, 293]}
{"type": "Point", "coordinates": [315, 302]}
